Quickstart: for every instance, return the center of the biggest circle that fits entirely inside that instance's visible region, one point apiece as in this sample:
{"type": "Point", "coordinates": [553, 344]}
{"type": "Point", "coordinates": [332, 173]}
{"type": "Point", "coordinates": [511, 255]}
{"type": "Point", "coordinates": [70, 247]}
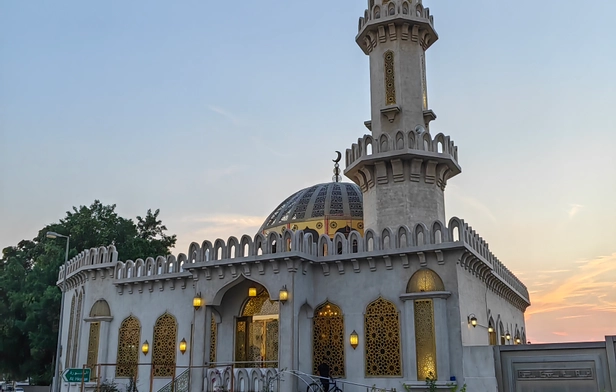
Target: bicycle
{"type": "Point", "coordinates": [318, 387]}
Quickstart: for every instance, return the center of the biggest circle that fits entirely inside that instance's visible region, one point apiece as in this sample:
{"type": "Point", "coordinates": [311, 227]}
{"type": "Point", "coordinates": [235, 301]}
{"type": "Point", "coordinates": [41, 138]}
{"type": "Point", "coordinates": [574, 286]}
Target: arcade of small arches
{"type": "Point", "coordinates": [256, 333]}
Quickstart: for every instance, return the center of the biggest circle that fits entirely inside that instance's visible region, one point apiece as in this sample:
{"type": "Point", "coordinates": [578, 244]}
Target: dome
{"type": "Point", "coordinates": [325, 208]}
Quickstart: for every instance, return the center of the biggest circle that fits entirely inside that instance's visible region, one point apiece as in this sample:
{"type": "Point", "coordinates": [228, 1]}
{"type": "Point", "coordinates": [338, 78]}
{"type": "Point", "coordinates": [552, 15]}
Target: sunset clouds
{"type": "Point", "coordinates": [573, 304]}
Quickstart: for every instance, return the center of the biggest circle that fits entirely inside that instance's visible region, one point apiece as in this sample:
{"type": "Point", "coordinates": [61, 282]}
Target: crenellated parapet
{"type": "Point", "coordinates": [395, 19]}
{"type": "Point", "coordinates": [296, 250]}
{"type": "Point", "coordinates": [407, 156]}
{"type": "Point", "coordinates": [103, 257]}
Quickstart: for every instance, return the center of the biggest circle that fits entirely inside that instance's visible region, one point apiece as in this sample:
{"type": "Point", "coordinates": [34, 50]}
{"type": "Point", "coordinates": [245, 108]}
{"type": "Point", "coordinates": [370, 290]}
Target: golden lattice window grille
{"type": "Point", "coordinates": [261, 305]}
{"type": "Point", "coordinates": [129, 338]}
{"type": "Point", "coordinates": [382, 336]}
{"type": "Point", "coordinates": [93, 346]}
{"type": "Point", "coordinates": [328, 339]}
{"type": "Point", "coordinates": [213, 336]}
{"type": "Point", "coordinates": [390, 88]}
{"type": "Point", "coordinates": [163, 355]}
{"type": "Point", "coordinates": [69, 341]}
{"type": "Point", "coordinates": [425, 280]}
{"type": "Point", "coordinates": [76, 334]}
{"type": "Point", "coordinates": [425, 339]}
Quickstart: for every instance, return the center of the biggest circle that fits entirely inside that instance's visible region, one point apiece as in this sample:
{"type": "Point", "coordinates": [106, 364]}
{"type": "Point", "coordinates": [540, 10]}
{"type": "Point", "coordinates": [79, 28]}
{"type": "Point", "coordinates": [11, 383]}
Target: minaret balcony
{"type": "Point", "coordinates": [399, 26]}
{"type": "Point", "coordinates": [413, 157]}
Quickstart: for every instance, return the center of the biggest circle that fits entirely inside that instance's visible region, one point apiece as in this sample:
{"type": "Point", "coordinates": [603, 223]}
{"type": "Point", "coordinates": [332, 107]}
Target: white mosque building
{"type": "Point", "coordinates": [366, 276]}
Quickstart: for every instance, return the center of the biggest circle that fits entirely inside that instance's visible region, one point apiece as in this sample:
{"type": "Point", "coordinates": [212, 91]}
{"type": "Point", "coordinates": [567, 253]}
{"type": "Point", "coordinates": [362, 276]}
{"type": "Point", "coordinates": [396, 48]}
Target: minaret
{"type": "Point", "coordinates": [401, 169]}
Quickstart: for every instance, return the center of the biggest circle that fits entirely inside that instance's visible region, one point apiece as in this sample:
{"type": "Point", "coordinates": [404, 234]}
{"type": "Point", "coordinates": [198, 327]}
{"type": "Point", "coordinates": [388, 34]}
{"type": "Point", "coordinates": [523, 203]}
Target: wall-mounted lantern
{"type": "Point", "coordinates": [145, 348]}
{"type": "Point", "coordinates": [508, 336]}
{"type": "Point", "coordinates": [490, 328]}
{"type": "Point", "coordinates": [284, 294]}
{"type": "Point", "coordinates": [252, 292]}
{"type": "Point", "coordinates": [183, 346]}
{"type": "Point", "coordinates": [354, 339]}
{"type": "Point", "coordinates": [472, 320]}
{"type": "Point", "coordinates": [197, 301]}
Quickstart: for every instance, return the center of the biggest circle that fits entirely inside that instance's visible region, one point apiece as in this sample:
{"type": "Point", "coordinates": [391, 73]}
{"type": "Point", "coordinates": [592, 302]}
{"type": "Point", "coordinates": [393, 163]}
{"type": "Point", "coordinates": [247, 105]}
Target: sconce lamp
{"type": "Point", "coordinates": [517, 339]}
{"type": "Point", "coordinates": [183, 346]}
{"type": "Point", "coordinates": [508, 336]}
{"type": "Point", "coordinates": [145, 348]}
{"type": "Point", "coordinates": [354, 339]}
{"type": "Point", "coordinates": [284, 294]}
{"type": "Point", "coordinates": [252, 292]}
{"type": "Point", "coordinates": [197, 301]}
{"type": "Point", "coordinates": [472, 320]}
{"type": "Point", "coordinates": [490, 328]}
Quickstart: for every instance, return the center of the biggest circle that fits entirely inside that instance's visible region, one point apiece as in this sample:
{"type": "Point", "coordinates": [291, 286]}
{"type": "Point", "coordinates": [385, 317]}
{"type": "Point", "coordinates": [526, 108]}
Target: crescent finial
{"type": "Point", "coordinates": [338, 158]}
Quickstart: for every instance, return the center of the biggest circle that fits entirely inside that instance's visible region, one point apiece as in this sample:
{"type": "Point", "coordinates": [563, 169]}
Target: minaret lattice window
{"type": "Point", "coordinates": [328, 339]}
{"type": "Point", "coordinates": [390, 88]}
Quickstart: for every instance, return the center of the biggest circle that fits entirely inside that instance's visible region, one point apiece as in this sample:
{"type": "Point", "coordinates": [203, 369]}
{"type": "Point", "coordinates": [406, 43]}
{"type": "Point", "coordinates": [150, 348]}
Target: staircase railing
{"type": "Point", "coordinates": [179, 384]}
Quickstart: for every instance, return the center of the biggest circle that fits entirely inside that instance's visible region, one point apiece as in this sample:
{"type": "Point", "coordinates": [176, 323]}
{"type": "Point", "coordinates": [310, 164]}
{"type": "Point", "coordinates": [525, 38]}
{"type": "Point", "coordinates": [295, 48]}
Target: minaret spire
{"type": "Point", "coordinates": [401, 169]}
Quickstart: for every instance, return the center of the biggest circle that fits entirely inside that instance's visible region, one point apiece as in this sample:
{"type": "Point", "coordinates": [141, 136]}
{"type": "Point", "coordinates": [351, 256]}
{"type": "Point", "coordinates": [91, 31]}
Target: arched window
{"type": "Point", "coordinates": [128, 347]}
{"type": "Point", "coordinates": [390, 88]}
{"type": "Point", "coordinates": [328, 339]}
{"type": "Point", "coordinates": [76, 333]}
{"type": "Point", "coordinates": [491, 333]}
{"type": "Point", "coordinates": [69, 341]}
{"type": "Point", "coordinates": [425, 280]}
{"type": "Point", "coordinates": [382, 336]}
{"type": "Point", "coordinates": [99, 309]}
{"type": "Point", "coordinates": [213, 336]}
{"type": "Point", "coordinates": [163, 355]}
{"type": "Point", "coordinates": [501, 331]}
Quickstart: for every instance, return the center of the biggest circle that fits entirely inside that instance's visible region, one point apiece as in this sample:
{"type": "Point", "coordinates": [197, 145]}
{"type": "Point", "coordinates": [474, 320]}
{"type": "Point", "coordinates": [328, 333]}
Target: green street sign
{"type": "Point", "coordinates": [76, 375]}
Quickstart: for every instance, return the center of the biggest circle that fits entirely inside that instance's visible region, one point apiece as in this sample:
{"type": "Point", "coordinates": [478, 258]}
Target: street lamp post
{"type": "Point", "coordinates": [56, 377]}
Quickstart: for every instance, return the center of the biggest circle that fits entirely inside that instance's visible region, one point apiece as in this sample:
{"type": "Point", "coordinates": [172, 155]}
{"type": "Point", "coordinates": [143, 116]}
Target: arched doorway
{"type": "Point", "coordinates": [256, 332]}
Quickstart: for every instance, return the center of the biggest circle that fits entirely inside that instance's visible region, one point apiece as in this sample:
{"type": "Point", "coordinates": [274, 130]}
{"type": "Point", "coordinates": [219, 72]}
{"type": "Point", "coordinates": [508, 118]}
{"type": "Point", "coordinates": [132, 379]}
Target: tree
{"type": "Point", "coordinates": [29, 297]}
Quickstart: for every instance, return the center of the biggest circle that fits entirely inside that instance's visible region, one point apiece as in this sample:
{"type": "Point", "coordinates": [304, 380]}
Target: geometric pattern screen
{"type": "Point", "coordinates": [128, 347]}
{"type": "Point", "coordinates": [163, 355]}
{"type": "Point", "coordinates": [425, 342]}
{"type": "Point", "coordinates": [382, 335]}
{"type": "Point", "coordinates": [328, 339]}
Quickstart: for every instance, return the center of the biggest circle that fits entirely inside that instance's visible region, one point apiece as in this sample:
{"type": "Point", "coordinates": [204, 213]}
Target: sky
{"type": "Point", "coordinates": [215, 112]}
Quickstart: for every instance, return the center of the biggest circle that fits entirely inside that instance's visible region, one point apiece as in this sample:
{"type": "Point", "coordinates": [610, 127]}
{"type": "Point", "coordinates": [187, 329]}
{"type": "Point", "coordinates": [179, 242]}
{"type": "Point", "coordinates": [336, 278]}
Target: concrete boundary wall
{"type": "Point", "coordinates": [560, 367]}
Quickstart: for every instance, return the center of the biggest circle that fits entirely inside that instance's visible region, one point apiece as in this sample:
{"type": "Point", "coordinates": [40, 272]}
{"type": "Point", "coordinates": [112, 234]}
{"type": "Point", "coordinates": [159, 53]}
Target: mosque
{"type": "Point", "coordinates": [366, 276]}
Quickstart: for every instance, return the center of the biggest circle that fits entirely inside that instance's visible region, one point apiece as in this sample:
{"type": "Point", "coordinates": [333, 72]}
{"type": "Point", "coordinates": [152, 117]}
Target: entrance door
{"type": "Point", "coordinates": [257, 341]}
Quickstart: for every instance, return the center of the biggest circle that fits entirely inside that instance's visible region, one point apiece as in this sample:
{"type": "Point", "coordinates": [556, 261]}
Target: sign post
{"type": "Point", "coordinates": [76, 375]}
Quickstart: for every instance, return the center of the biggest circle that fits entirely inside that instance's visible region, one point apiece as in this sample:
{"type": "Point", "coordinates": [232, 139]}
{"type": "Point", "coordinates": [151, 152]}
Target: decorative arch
{"type": "Point", "coordinates": [328, 338]}
{"type": "Point", "coordinates": [128, 347]}
{"type": "Point", "coordinates": [382, 337]}
{"type": "Point", "coordinates": [100, 309]}
{"type": "Point", "coordinates": [163, 354]}
{"type": "Point", "coordinates": [425, 280]}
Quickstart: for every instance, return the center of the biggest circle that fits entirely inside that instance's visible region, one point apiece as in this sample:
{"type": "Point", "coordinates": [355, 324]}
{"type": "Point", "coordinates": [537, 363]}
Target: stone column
{"type": "Point", "coordinates": [103, 350]}
{"type": "Point", "coordinates": [442, 338]}
{"type": "Point", "coordinates": [287, 341]}
{"type": "Point", "coordinates": [199, 348]}
{"type": "Point", "coordinates": [408, 342]}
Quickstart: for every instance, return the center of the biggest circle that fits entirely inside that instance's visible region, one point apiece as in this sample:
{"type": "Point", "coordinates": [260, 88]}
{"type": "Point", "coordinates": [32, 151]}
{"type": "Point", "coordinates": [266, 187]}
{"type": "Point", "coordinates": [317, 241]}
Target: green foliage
{"type": "Point", "coordinates": [107, 386]}
{"type": "Point", "coordinates": [29, 298]}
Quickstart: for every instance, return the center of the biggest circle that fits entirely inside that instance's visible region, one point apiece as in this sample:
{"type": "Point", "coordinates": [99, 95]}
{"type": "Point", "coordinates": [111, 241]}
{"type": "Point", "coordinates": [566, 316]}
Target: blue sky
{"type": "Point", "coordinates": [215, 112]}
